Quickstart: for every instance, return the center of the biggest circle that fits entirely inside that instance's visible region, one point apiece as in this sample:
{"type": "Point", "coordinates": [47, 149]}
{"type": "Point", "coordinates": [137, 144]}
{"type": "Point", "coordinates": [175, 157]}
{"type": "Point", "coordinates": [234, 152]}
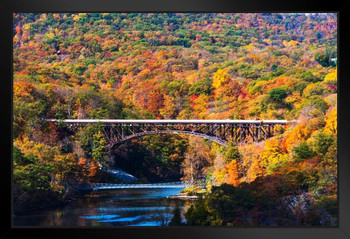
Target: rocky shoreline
{"type": "Point", "coordinates": [183, 196]}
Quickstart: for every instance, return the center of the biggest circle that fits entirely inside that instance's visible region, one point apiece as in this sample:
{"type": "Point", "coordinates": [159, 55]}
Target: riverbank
{"type": "Point", "coordinates": [190, 193]}
{"type": "Point", "coordinates": [31, 202]}
{"type": "Point", "coordinates": [183, 196]}
{"type": "Point", "coordinates": [28, 202]}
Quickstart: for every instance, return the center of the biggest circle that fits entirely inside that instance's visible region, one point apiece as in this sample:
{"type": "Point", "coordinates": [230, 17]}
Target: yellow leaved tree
{"type": "Point", "coordinates": [220, 77]}
{"type": "Point", "coordinates": [331, 122]}
{"type": "Point", "coordinates": [299, 133]}
{"type": "Point", "coordinates": [272, 157]}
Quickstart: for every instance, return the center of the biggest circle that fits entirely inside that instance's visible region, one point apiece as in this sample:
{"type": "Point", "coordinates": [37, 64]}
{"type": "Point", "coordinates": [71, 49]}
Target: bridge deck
{"type": "Point", "coordinates": [148, 121]}
{"type": "Point", "coordinates": [104, 186]}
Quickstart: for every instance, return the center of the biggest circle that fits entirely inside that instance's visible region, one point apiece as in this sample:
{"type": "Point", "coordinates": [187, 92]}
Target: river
{"type": "Point", "coordinates": [119, 207]}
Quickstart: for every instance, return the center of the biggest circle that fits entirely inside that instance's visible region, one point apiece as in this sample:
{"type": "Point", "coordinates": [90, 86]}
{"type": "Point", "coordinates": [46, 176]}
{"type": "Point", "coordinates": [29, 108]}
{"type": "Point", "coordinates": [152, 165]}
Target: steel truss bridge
{"type": "Point", "coordinates": [117, 131]}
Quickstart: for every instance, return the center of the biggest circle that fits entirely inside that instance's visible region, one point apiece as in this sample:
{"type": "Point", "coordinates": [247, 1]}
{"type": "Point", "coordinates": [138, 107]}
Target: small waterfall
{"type": "Point", "coordinates": [121, 175]}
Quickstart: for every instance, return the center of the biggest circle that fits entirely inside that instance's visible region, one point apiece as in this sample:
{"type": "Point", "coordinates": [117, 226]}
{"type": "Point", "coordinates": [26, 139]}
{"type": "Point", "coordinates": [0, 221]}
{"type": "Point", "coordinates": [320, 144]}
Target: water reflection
{"type": "Point", "coordinates": [127, 207]}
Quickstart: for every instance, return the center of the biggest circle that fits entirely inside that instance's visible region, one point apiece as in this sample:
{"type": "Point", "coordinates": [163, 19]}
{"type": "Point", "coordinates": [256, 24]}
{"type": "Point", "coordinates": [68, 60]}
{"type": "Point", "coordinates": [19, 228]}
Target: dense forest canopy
{"type": "Point", "coordinates": [173, 65]}
{"type": "Point", "coordinates": [181, 66]}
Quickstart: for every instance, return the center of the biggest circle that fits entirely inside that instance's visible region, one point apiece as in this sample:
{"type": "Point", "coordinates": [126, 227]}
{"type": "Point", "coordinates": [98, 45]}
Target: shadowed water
{"type": "Point", "coordinates": [122, 207]}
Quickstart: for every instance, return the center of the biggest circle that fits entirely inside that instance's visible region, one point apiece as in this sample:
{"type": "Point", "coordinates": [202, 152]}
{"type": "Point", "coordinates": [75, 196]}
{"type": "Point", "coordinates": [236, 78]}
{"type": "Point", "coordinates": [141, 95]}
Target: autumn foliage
{"type": "Point", "coordinates": [182, 66]}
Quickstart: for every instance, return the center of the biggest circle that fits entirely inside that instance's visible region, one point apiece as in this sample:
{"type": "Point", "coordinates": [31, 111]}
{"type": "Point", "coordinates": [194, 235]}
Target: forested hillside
{"type": "Point", "coordinates": [182, 66]}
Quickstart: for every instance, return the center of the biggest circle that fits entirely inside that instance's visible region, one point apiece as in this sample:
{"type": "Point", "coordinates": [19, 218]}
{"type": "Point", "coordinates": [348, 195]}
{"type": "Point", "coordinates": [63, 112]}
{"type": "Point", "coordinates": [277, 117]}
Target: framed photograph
{"type": "Point", "coordinates": [187, 118]}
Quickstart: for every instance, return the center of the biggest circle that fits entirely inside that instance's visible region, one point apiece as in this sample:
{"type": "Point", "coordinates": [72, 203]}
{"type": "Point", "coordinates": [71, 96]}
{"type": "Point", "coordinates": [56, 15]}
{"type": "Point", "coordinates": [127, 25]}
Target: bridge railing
{"type": "Point", "coordinates": [149, 121]}
{"type": "Point", "coordinates": [181, 184]}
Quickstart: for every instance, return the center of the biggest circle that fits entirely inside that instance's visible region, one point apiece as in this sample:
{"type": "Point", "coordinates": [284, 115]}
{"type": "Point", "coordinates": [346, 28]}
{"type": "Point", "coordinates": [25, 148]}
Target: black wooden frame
{"type": "Point", "coordinates": [8, 7]}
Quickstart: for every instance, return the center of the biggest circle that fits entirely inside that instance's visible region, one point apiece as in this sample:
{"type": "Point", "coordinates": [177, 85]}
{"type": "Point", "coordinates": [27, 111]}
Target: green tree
{"type": "Point", "coordinates": [303, 151]}
{"type": "Point", "coordinates": [278, 94]}
{"type": "Point", "coordinates": [176, 219]}
{"type": "Point", "coordinates": [201, 87]}
{"type": "Point", "coordinates": [33, 176]}
{"type": "Point", "coordinates": [322, 142]}
{"type": "Point", "coordinates": [99, 146]}
{"type": "Point", "coordinates": [323, 58]}
{"type": "Point", "coordinates": [225, 205]}
{"type": "Point", "coordinates": [232, 153]}
{"type": "Point", "coordinates": [197, 215]}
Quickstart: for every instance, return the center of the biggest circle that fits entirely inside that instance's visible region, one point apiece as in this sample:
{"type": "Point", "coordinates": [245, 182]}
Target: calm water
{"type": "Point", "coordinates": [127, 207]}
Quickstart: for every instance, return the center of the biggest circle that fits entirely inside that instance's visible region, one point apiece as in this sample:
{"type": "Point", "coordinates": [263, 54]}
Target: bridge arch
{"type": "Point", "coordinates": [179, 132]}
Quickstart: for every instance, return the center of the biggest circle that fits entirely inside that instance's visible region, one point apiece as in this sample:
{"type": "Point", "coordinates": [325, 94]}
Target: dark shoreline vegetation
{"type": "Point", "coordinates": [180, 66]}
